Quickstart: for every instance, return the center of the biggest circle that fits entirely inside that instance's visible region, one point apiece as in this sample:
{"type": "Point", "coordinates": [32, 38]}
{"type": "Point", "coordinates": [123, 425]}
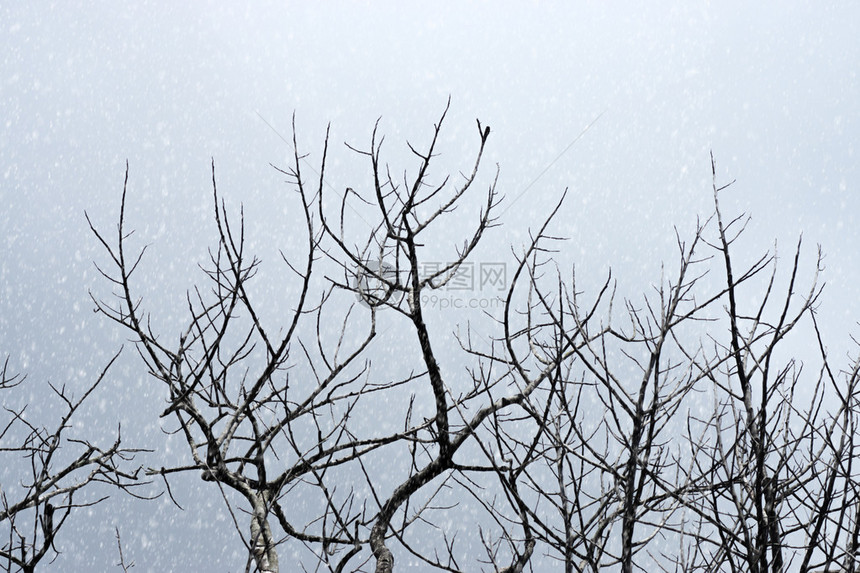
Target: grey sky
{"type": "Point", "coordinates": [772, 91]}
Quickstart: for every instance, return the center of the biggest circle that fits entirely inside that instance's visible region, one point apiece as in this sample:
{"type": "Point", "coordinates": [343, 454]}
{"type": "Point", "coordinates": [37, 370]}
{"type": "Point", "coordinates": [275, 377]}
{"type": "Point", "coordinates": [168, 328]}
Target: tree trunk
{"type": "Point", "coordinates": [262, 544]}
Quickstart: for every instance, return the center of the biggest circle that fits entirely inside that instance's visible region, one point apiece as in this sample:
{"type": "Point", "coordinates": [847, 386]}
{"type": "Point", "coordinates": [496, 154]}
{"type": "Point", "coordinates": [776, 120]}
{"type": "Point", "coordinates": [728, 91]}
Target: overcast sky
{"type": "Point", "coordinates": [622, 104]}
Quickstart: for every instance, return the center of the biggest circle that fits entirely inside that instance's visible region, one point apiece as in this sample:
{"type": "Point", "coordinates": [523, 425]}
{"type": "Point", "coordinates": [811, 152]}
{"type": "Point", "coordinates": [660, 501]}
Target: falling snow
{"type": "Point", "coordinates": [772, 91]}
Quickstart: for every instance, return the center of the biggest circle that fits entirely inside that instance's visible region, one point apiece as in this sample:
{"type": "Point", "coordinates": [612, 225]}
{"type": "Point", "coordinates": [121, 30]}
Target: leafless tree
{"type": "Point", "coordinates": [252, 429]}
{"type": "Point", "coordinates": [577, 432]}
{"type": "Point", "coordinates": [601, 472]}
{"type": "Point", "coordinates": [783, 493]}
{"type": "Point", "coordinates": [40, 503]}
{"type": "Point", "coordinates": [764, 483]}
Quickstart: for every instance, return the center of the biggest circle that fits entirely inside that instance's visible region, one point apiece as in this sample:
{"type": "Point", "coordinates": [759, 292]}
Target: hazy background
{"type": "Point", "coordinates": [771, 90]}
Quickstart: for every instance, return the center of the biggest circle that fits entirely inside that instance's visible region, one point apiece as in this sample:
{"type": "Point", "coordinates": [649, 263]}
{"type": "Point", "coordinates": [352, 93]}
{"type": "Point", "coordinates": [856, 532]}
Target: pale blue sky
{"type": "Point", "coordinates": [772, 90]}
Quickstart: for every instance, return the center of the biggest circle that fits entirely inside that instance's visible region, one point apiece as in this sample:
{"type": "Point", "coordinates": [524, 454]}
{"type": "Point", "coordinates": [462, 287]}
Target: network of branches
{"type": "Point", "coordinates": [587, 433]}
